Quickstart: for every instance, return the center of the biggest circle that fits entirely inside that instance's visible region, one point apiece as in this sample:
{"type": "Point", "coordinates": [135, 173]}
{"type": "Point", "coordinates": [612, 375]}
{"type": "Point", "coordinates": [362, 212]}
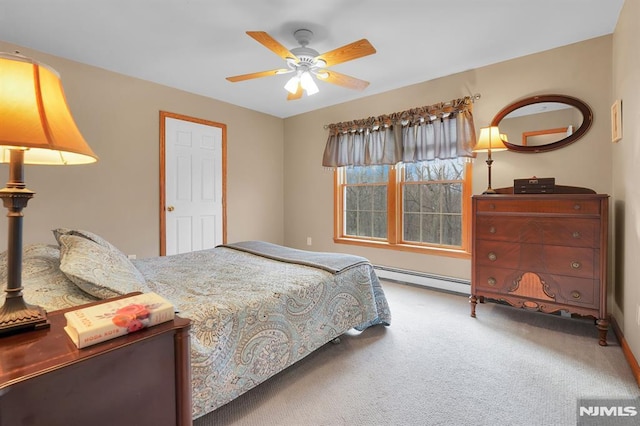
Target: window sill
{"type": "Point", "coordinates": [434, 251]}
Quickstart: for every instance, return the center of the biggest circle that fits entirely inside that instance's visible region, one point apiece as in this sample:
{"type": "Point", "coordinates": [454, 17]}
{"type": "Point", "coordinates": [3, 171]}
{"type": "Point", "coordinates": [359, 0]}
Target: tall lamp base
{"type": "Point", "coordinates": [17, 316]}
{"type": "Point", "coordinates": [489, 189]}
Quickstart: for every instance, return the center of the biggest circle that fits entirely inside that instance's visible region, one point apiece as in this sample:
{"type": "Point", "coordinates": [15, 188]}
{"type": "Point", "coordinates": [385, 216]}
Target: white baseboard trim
{"type": "Point", "coordinates": [455, 285]}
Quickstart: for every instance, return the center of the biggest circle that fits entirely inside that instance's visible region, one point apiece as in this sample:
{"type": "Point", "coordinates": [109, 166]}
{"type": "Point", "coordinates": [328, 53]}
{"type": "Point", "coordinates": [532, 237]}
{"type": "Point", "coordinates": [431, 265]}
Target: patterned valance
{"type": "Point", "coordinates": [443, 130]}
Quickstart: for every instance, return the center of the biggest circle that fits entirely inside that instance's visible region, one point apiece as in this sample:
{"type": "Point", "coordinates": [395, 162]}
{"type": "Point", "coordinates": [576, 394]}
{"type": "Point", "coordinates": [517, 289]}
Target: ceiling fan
{"type": "Point", "coordinates": [306, 62]}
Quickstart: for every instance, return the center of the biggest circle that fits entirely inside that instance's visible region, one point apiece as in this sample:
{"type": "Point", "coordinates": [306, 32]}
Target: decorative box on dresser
{"type": "Point", "coordinates": [544, 252]}
{"type": "Point", "coordinates": [142, 379]}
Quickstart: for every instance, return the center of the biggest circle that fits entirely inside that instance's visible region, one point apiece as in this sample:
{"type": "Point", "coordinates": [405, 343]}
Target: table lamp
{"type": "Point", "coordinates": [36, 127]}
{"type": "Point", "coordinates": [490, 139]}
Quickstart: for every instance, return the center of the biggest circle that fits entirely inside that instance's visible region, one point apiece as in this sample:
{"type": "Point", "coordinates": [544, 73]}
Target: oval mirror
{"type": "Point", "coordinates": [543, 123]}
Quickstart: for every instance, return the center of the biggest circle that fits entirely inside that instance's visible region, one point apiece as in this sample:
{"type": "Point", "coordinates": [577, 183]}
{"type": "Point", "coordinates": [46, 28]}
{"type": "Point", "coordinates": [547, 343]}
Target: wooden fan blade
{"type": "Point", "coordinates": [243, 77]}
{"type": "Point", "coordinates": [272, 44]}
{"type": "Point", "coordinates": [297, 95]}
{"type": "Point", "coordinates": [348, 52]}
{"type": "Point", "coordinates": [344, 80]}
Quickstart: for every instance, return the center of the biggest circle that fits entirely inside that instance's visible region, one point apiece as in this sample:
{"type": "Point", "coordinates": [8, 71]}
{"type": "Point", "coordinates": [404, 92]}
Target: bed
{"type": "Point", "coordinates": [256, 308]}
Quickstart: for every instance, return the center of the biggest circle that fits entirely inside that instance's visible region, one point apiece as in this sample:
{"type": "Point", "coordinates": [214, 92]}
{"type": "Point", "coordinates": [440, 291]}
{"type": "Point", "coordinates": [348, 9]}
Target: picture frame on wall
{"type": "Point", "coordinates": [616, 121]}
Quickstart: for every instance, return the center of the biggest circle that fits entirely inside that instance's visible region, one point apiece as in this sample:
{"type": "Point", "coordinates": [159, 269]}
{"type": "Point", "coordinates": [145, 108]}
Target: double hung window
{"type": "Point", "coordinates": [410, 206]}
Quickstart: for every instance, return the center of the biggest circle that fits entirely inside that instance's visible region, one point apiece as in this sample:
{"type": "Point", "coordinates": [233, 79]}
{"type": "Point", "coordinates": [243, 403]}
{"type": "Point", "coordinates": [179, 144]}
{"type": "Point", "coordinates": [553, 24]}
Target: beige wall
{"type": "Point", "coordinates": [626, 174]}
{"type": "Point", "coordinates": [118, 197]}
{"type": "Point", "coordinates": [581, 70]}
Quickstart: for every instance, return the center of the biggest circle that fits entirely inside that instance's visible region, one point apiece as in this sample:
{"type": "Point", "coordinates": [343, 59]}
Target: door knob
{"type": "Point", "coordinates": [170, 208]}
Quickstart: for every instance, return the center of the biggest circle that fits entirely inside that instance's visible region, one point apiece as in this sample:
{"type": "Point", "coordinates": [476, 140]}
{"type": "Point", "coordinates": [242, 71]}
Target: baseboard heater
{"type": "Point", "coordinates": [455, 285]}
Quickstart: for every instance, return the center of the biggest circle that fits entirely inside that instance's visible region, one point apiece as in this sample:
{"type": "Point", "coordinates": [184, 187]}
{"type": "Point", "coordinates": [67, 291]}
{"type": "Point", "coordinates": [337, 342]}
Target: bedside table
{"type": "Point", "coordinates": [143, 378]}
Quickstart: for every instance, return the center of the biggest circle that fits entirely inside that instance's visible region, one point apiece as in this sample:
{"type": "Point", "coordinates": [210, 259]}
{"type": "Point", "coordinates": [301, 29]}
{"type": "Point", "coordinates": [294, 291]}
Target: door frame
{"type": "Point", "coordinates": [163, 207]}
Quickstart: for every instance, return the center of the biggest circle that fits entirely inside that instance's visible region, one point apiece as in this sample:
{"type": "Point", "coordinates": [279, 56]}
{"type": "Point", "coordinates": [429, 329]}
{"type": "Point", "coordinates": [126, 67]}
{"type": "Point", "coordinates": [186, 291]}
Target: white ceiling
{"type": "Point", "coordinates": [194, 44]}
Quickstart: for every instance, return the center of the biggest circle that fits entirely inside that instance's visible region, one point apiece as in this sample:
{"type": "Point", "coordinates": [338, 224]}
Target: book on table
{"type": "Point", "coordinates": [98, 323]}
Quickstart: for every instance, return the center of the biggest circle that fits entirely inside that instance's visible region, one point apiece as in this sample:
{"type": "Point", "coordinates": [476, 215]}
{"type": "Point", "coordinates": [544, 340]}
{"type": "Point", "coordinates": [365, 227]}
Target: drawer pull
{"type": "Point", "coordinates": [492, 256]}
{"type": "Point", "coordinates": [492, 206]}
{"type": "Point", "coordinates": [491, 281]}
{"type": "Point", "coordinates": [576, 234]}
{"type": "Point", "coordinates": [492, 230]}
{"type": "Point", "coordinates": [575, 294]}
{"type": "Point", "coordinates": [577, 207]}
{"type": "Point", "coordinates": [576, 265]}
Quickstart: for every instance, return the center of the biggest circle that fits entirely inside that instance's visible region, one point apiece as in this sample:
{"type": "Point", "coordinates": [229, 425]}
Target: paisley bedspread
{"type": "Point", "coordinates": [252, 316]}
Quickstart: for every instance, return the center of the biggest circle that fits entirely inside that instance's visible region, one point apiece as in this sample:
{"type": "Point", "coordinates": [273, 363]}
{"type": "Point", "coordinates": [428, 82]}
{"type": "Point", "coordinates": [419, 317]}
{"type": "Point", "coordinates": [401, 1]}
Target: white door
{"type": "Point", "coordinates": [193, 185]}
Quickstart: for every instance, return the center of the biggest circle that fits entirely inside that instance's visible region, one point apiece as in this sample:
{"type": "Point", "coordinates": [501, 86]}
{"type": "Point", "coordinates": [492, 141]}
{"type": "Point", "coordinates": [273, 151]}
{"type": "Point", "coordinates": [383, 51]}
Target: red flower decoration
{"type": "Point", "coordinates": [131, 317]}
{"type": "Point", "coordinates": [135, 325]}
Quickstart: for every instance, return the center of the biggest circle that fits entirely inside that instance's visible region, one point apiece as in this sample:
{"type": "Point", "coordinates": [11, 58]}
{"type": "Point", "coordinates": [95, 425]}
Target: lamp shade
{"type": "Point", "coordinates": [489, 140]}
{"type": "Point", "coordinates": [292, 84]}
{"type": "Point", "coordinates": [35, 117]}
{"type": "Point", "coordinates": [308, 84]}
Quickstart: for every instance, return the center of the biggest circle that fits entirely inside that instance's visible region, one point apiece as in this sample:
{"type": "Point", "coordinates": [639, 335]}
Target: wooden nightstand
{"type": "Point", "coordinates": [140, 379]}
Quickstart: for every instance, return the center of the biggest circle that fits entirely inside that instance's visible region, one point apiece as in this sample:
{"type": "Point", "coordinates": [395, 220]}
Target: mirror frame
{"type": "Point", "coordinates": [587, 120]}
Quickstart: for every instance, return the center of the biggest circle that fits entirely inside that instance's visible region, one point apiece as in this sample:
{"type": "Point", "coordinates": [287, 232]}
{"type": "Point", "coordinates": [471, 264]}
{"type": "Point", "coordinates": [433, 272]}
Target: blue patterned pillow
{"type": "Point", "coordinates": [101, 271]}
{"type": "Point", "coordinates": [85, 234]}
{"type": "Point", "coordinates": [44, 283]}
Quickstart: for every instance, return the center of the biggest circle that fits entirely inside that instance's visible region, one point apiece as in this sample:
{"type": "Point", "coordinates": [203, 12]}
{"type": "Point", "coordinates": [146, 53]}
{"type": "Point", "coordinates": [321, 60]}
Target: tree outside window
{"type": "Point", "coordinates": [421, 206]}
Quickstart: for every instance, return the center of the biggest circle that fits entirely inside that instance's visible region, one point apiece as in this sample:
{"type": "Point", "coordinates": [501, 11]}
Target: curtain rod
{"type": "Point", "coordinates": [472, 98]}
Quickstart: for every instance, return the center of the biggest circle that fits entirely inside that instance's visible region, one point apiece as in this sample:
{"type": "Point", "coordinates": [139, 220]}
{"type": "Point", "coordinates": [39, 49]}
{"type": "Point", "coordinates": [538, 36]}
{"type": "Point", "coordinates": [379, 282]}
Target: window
{"type": "Point", "coordinates": [432, 202]}
{"type": "Point", "coordinates": [423, 206]}
{"type": "Point", "coordinates": [365, 201]}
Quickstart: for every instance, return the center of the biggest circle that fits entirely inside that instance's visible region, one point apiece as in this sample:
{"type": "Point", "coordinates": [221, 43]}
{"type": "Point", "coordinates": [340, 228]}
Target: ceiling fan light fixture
{"type": "Point", "coordinates": [310, 86]}
{"type": "Point", "coordinates": [292, 84]}
{"type": "Point", "coordinates": [306, 63]}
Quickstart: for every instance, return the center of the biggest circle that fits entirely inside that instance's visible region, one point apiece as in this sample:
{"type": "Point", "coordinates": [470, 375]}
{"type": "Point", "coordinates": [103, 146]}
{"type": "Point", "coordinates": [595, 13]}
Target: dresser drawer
{"type": "Point", "coordinates": [574, 291]}
{"type": "Point", "coordinates": [509, 282]}
{"type": "Point", "coordinates": [494, 279]}
{"type": "Point", "coordinates": [499, 228]}
{"type": "Point", "coordinates": [581, 292]}
{"type": "Point", "coordinates": [572, 206]}
{"type": "Point", "coordinates": [559, 260]}
{"type": "Point", "coordinates": [570, 261]}
{"type": "Point", "coordinates": [578, 232]}
{"type": "Point", "coordinates": [502, 254]}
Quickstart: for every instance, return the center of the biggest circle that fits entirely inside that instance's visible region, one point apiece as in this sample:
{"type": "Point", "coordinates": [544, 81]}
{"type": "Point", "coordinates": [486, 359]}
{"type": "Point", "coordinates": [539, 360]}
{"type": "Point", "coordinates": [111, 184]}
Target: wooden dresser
{"type": "Point", "coordinates": [139, 379]}
{"type": "Point", "coordinates": [545, 252]}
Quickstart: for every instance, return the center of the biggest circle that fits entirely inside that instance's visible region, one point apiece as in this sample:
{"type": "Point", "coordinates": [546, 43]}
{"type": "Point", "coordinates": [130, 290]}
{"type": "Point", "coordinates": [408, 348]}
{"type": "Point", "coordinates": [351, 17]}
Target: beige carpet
{"type": "Point", "coordinates": [435, 365]}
